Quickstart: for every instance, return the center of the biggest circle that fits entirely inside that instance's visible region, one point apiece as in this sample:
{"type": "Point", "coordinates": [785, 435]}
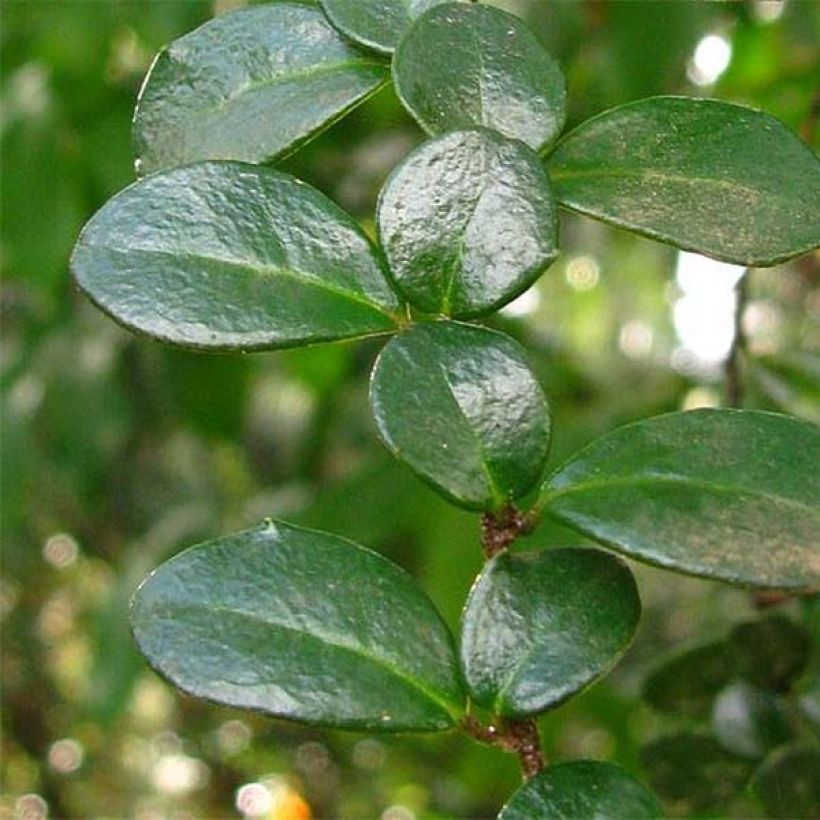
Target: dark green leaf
{"type": "Point", "coordinates": [461, 407]}
{"type": "Point", "coordinates": [688, 682]}
{"type": "Point", "coordinates": [582, 790]}
{"type": "Point", "coordinates": [788, 783]}
{"type": "Point", "coordinates": [377, 24]}
{"type": "Point", "coordinates": [300, 625]}
{"type": "Point", "coordinates": [749, 721]}
{"type": "Point", "coordinates": [249, 85]}
{"type": "Point", "coordinates": [704, 175]}
{"type": "Point", "coordinates": [772, 652]}
{"type": "Point", "coordinates": [725, 494]}
{"type": "Point", "coordinates": [537, 628]}
{"type": "Point", "coordinates": [464, 65]}
{"type": "Point", "coordinates": [224, 255]}
{"type": "Point", "coordinates": [467, 222]}
{"type": "Point", "coordinates": [695, 772]}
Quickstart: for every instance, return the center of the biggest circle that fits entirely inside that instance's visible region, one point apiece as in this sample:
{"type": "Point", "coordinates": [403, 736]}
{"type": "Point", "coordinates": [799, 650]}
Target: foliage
{"type": "Point", "coordinates": [223, 255]}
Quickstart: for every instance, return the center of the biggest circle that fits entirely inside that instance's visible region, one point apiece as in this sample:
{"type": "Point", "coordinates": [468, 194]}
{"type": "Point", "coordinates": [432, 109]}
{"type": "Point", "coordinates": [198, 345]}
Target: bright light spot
{"type": "Point", "coordinates": [233, 737]}
{"type": "Point", "coordinates": [56, 618]}
{"type": "Point", "coordinates": [712, 56]}
{"type": "Point", "coordinates": [761, 324]}
{"type": "Point", "coordinates": [31, 807]}
{"type": "Point", "coordinates": [65, 756]}
{"type": "Point", "coordinates": [525, 305]}
{"type": "Point", "coordinates": [60, 550]}
{"type": "Point", "coordinates": [704, 316]}
{"type": "Point", "coordinates": [767, 11]}
{"type": "Point", "coordinates": [398, 813]}
{"type": "Point", "coordinates": [253, 800]}
{"type": "Point", "coordinates": [25, 396]}
{"type": "Point", "coordinates": [369, 755]}
{"type": "Point", "coordinates": [635, 339]}
{"type": "Point", "coordinates": [582, 273]}
{"type": "Point", "coordinates": [179, 774]}
{"type": "Point", "coordinates": [700, 397]}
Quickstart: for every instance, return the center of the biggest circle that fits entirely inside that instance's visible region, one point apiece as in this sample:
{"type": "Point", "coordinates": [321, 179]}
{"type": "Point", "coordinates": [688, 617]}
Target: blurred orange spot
{"type": "Point", "coordinates": [289, 805]}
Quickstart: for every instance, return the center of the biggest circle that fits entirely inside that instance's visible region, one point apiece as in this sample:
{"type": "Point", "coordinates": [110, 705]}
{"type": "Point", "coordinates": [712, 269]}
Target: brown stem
{"type": "Point", "coordinates": [734, 382]}
{"type": "Point", "coordinates": [518, 737]}
{"type": "Point", "coordinates": [499, 530]}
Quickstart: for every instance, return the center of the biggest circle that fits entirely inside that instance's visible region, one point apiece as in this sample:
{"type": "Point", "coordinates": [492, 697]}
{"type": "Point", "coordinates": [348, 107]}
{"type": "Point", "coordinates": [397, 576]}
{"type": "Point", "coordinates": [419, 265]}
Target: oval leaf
{"type": "Point", "coordinates": [461, 407]}
{"type": "Point", "coordinates": [704, 175]}
{"type": "Point", "coordinates": [300, 625]}
{"type": "Point", "coordinates": [688, 682]}
{"type": "Point", "coordinates": [249, 85]}
{"type": "Point", "coordinates": [467, 222]}
{"type": "Point", "coordinates": [725, 494]}
{"type": "Point", "coordinates": [465, 65]}
{"type": "Point", "coordinates": [377, 24]}
{"type": "Point", "coordinates": [694, 772]}
{"type": "Point", "coordinates": [225, 256]}
{"type": "Point", "coordinates": [788, 782]}
{"type": "Point", "coordinates": [582, 790]}
{"type": "Point", "coordinates": [538, 628]}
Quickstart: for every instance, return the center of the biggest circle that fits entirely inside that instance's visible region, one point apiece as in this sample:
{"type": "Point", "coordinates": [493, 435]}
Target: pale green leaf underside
{"type": "Point", "coordinates": [224, 255]}
{"type": "Point", "coordinates": [704, 175]}
{"type": "Point", "coordinates": [249, 85]}
{"type": "Point", "coordinates": [731, 495]}
{"type": "Point", "coordinates": [300, 625]}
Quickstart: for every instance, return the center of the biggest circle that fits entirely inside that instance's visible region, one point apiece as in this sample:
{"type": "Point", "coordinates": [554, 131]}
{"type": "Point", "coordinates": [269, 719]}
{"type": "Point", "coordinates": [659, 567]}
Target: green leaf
{"type": "Point", "coordinates": [376, 24]}
{"type": "Point", "coordinates": [708, 176]}
{"type": "Point", "coordinates": [788, 782]}
{"type": "Point", "coordinates": [461, 407]}
{"type": "Point", "coordinates": [249, 85]}
{"type": "Point", "coordinates": [225, 256]}
{"type": "Point", "coordinates": [465, 65]}
{"type": "Point", "coordinates": [771, 653]}
{"type": "Point", "coordinates": [539, 627]}
{"type": "Point", "coordinates": [695, 772]}
{"type": "Point", "coordinates": [582, 790]}
{"type": "Point", "coordinates": [749, 721]}
{"type": "Point", "coordinates": [688, 682]}
{"type": "Point", "coordinates": [468, 222]}
{"type": "Point", "coordinates": [300, 625]}
{"type": "Point", "coordinates": [725, 494]}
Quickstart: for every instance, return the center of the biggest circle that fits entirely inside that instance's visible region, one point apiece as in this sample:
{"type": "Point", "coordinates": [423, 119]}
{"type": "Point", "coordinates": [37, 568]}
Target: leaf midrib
{"type": "Point", "coordinates": [248, 266]}
{"type": "Point", "coordinates": [357, 651]}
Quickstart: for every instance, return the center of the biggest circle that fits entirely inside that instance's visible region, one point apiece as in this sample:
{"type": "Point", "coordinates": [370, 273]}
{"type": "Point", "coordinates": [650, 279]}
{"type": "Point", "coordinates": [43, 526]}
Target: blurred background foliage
{"type": "Point", "coordinates": [117, 452]}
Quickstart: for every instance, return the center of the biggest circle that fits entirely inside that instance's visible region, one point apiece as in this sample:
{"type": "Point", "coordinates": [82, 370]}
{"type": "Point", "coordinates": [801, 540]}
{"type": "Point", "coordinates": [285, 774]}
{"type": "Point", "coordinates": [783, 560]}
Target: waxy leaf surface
{"type": "Point", "coordinates": [300, 625]}
{"type": "Point", "coordinates": [468, 222]}
{"type": "Point", "coordinates": [462, 65]}
{"type": "Point", "coordinates": [539, 627]}
{"type": "Point", "coordinates": [376, 24]}
{"type": "Point", "coordinates": [249, 85]}
{"type": "Point", "coordinates": [709, 176]}
{"type": "Point", "coordinates": [582, 790]}
{"type": "Point", "coordinates": [224, 255]}
{"type": "Point", "coordinates": [726, 494]}
{"type": "Point", "coordinates": [461, 407]}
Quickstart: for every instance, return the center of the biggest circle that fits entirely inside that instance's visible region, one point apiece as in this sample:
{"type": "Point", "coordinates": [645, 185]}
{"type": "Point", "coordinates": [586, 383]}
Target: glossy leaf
{"type": "Point", "coordinates": [300, 625]}
{"type": "Point", "coordinates": [694, 772]}
{"type": "Point", "coordinates": [708, 176]}
{"type": "Point", "coordinates": [460, 406]}
{"type": "Point", "coordinates": [688, 682]}
{"type": "Point", "coordinates": [749, 721]}
{"type": "Point", "coordinates": [249, 85]}
{"type": "Point", "coordinates": [465, 65]}
{"type": "Point", "coordinates": [225, 255]}
{"type": "Point", "coordinates": [582, 790]}
{"type": "Point", "coordinates": [467, 222]}
{"type": "Point", "coordinates": [725, 494]}
{"type": "Point", "coordinates": [376, 24]}
{"type": "Point", "coordinates": [772, 652]}
{"type": "Point", "coordinates": [788, 782]}
{"type": "Point", "coordinates": [539, 627]}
